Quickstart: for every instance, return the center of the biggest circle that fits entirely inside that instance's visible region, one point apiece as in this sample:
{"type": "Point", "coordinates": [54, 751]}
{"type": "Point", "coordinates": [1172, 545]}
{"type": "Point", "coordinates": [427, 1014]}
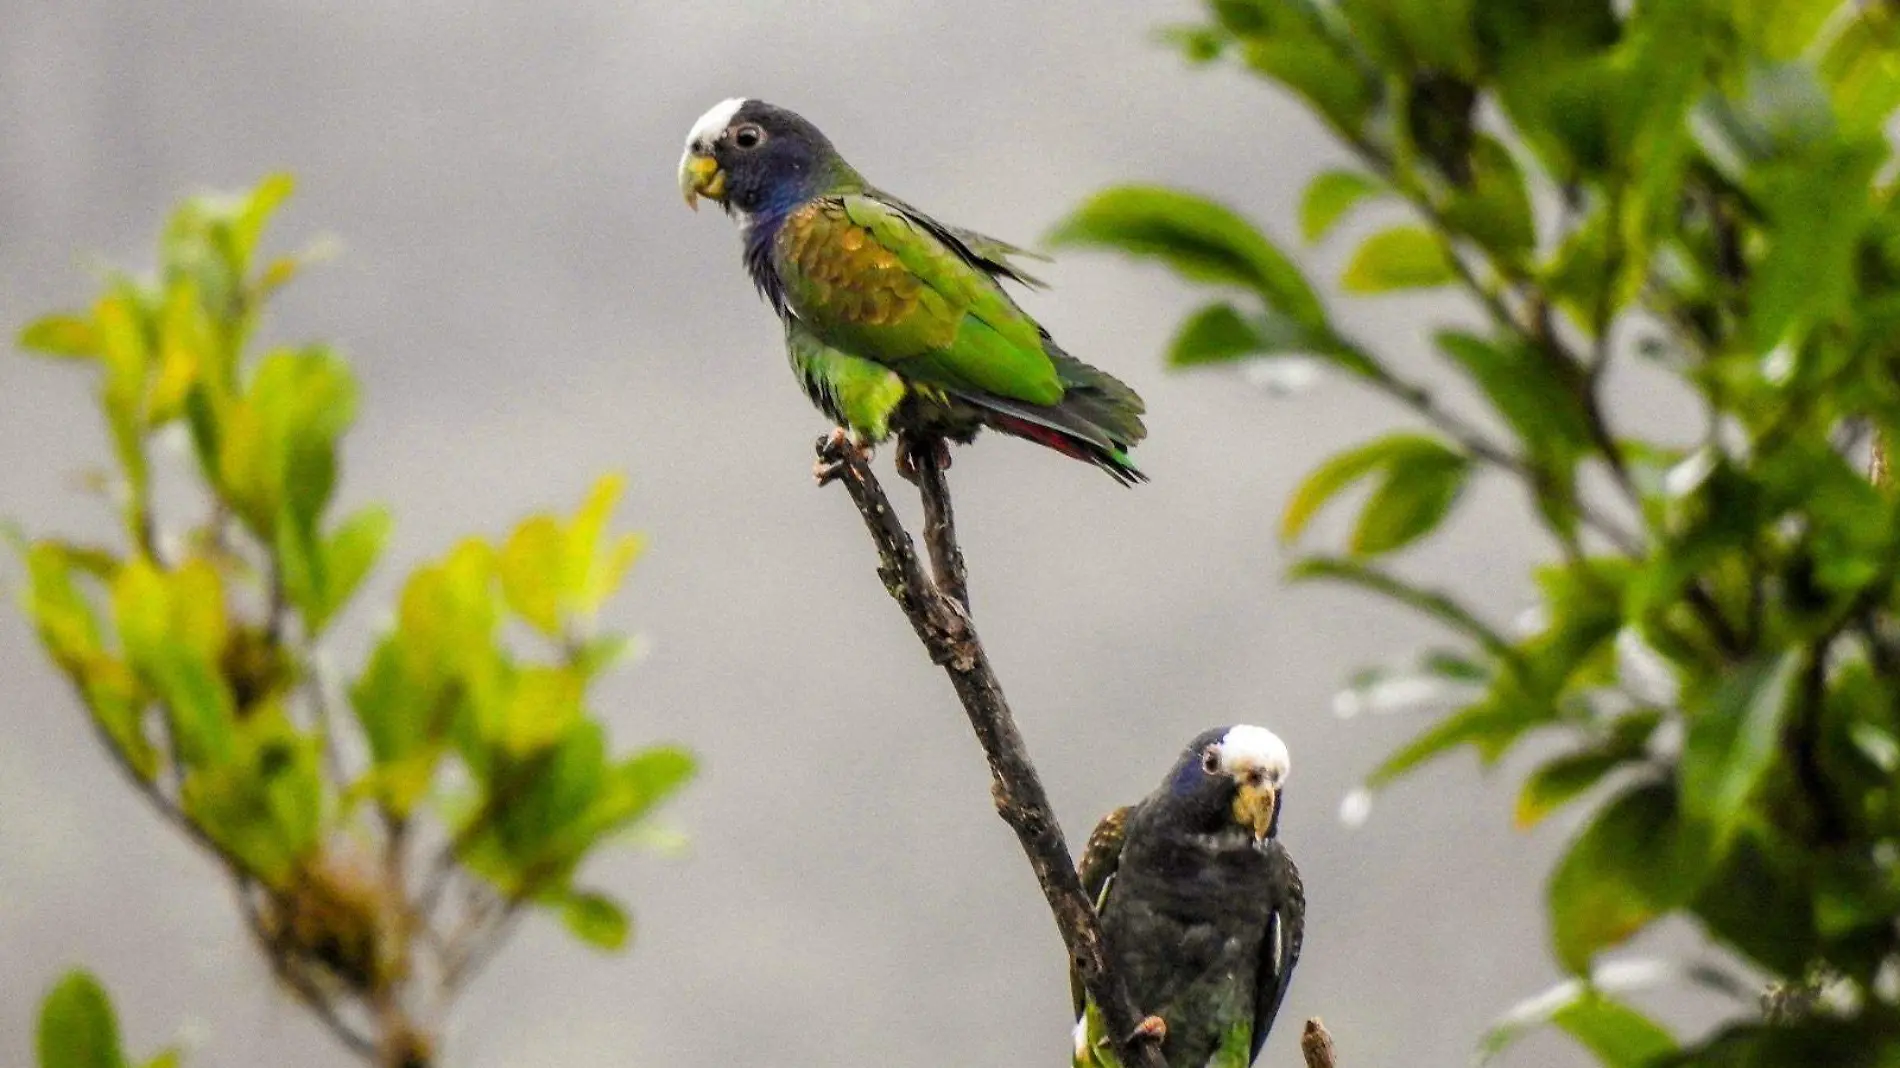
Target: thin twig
{"type": "Point", "coordinates": [940, 528]}
{"type": "Point", "coordinates": [950, 638]}
{"type": "Point", "coordinates": [1317, 1044]}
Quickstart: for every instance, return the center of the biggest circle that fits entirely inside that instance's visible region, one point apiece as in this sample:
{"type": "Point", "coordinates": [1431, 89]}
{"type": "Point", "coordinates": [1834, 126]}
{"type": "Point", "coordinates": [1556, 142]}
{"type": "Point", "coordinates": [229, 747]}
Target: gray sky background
{"type": "Point", "coordinates": [528, 305]}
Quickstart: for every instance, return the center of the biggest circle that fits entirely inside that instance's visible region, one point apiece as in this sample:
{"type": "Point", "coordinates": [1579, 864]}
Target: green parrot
{"type": "Point", "coordinates": [896, 323]}
{"type": "Point", "coordinates": [1202, 908]}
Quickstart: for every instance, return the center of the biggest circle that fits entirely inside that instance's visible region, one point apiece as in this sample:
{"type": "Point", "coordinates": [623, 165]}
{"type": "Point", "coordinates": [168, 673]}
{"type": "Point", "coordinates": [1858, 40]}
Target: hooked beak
{"type": "Point", "coordinates": [1255, 806]}
{"type": "Point", "coordinates": [700, 176]}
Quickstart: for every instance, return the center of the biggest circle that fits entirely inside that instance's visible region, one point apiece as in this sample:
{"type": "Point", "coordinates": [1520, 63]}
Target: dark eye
{"type": "Point", "coordinates": [1210, 760]}
{"type": "Point", "coordinates": [748, 136]}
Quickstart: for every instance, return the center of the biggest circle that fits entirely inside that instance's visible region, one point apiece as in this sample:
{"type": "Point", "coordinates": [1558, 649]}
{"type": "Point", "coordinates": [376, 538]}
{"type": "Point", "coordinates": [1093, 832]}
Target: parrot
{"type": "Point", "coordinates": [896, 323]}
{"type": "Point", "coordinates": [1202, 909]}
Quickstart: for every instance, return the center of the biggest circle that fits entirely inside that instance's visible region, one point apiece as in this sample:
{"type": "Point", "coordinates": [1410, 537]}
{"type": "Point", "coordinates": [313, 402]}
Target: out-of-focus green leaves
{"type": "Point", "coordinates": [1635, 861]}
{"type": "Point", "coordinates": [1420, 478]}
{"type": "Point", "coordinates": [71, 631]}
{"type": "Point", "coordinates": [1330, 197]}
{"type": "Point", "coordinates": [1493, 206]}
{"type": "Point", "coordinates": [173, 627]}
{"type": "Point", "coordinates": [444, 680]}
{"type": "Point", "coordinates": [264, 804]}
{"type": "Point", "coordinates": [1619, 1036]}
{"type": "Point", "coordinates": [1404, 257]}
{"type": "Point", "coordinates": [78, 1028]}
{"type": "Point", "coordinates": [1202, 240]}
{"type": "Point", "coordinates": [194, 649]}
{"type": "Point", "coordinates": [597, 919]}
{"type": "Point", "coordinates": [60, 335]}
{"type": "Point", "coordinates": [556, 575]}
{"type": "Point", "coordinates": [1735, 739]}
{"type": "Point", "coordinates": [1694, 201]}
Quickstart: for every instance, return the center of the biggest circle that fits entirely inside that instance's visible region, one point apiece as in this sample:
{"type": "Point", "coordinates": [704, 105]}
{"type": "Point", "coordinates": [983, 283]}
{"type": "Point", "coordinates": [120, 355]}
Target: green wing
{"type": "Point", "coordinates": [1101, 858]}
{"type": "Point", "coordinates": [873, 280]}
{"type": "Point", "coordinates": [993, 254]}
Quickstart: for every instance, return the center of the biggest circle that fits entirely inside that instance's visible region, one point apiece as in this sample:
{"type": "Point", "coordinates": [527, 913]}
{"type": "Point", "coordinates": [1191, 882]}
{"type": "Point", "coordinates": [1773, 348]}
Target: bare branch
{"type": "Point", "coordinates": [1317, 1044]}
{"type": "Point", "coordinates": [940, 528]}
{"type": "Point", "coordinates": [950, 638]}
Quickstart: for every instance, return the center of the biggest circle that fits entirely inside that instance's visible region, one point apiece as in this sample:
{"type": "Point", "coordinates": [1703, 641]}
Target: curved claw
{"type": "Point", "coordinates": [835, 450]}
{"type": "Point", "coordinates": [1152, 1029]}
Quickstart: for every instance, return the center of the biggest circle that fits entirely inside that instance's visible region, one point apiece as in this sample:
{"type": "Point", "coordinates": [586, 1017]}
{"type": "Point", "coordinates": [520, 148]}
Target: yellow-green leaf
{"type": "Point", "coordinates": [78, 1028]}
{"type": "Point", "coordinates": [533, 568]}
{"type": "Point", "coordinates": [69, 336]}
{"type": "Point", "coordinates": [1330, 197]}
{"type": "Point", "coordinates": [596, 919]}
{"type": "Point", "coordinates": [1404, 257]}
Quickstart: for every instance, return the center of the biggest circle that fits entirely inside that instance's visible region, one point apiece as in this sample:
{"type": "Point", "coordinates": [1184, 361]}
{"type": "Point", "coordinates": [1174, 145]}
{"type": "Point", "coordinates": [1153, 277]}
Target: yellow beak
{"type": "Point", "coordinates": [1254, 807]}
{"type": "Point", "coordinates": [700, 176]}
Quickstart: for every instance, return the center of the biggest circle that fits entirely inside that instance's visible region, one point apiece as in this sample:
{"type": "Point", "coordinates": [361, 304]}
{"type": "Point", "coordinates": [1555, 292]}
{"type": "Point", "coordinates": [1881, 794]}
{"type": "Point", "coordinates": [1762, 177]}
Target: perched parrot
{"type": "Point", "coordinates": [1201, 906]}
{"type": "Point", "coordinates": [895, 322]}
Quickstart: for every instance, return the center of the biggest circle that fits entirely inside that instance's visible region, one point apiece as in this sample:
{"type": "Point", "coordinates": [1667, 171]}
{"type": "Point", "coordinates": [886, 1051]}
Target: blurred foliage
{"type": "Point", "coordinates": [382, 831]}
{"type": "Point", "coordinates": [1694, 195]}
{"type": "Point", "coordinates": [78, 1029]}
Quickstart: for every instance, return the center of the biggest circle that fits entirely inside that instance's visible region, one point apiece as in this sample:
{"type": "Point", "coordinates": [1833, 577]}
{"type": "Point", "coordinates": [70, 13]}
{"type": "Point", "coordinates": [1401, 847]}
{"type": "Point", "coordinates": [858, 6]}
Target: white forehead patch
{"type": "Point", "coordinates": [1259, 747]}
{"type": "Point", "coordinates": [713, 123]}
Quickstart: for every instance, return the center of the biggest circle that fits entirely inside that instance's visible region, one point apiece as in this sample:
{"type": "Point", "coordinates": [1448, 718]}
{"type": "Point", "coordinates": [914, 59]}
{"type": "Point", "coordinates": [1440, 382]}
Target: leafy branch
{"type": "Point", "coordinates": [1705, 186]}
{"type": "Point", "coordinates": [378, 887]}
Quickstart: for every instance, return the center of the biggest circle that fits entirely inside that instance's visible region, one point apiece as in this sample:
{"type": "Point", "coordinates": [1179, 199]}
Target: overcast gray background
{"type": "Point", "coordinates": [528, 305]}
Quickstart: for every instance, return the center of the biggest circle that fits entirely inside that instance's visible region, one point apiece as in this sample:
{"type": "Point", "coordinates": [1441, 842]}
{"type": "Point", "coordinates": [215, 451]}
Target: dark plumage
{"type": "Point", "coordinates": [1201, 905]}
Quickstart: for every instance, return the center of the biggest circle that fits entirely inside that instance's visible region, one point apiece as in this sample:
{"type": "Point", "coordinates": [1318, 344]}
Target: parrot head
{"type": "Point", "coordinates": [1230, 778]}
{"type": "Point", "coordinates": [752, 158]}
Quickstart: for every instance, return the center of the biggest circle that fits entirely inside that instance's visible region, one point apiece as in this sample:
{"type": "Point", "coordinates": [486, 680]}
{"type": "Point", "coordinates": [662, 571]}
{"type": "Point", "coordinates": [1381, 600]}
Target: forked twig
{"type": "Point", "coordinates": [938, 612]}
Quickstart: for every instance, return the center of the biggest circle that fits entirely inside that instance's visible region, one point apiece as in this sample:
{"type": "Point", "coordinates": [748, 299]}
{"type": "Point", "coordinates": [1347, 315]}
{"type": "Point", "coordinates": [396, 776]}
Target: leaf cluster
{"type": "Point", "coordinates": [1701, 193]}
{"type": "Point", "coordinates": [383, 828]}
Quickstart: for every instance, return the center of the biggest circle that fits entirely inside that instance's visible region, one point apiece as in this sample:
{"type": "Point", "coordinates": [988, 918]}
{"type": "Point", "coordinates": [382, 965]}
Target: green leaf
{"type": "Point", "coordinates": [1633, 863]}
{"type": "Point", "coordinates": [545, 703]}
{"type": "Point", "coordinates": [1618, 1035]}
{"type": "Point", "coordinates": [1494, 208]}
{"type": "Point", "coordinates": [1197, 237]}
{"type": "Point", "coordinates": [532, 567]}
{"type": "Point", "coordinates": [1735, 740]}
{"type": "Point", "coordinates": [1818, 206]}
{"type": "Point", "coordinates": [1404, 257]}
{"type": "Point", "coordinates": [1760, 901]}
{"type": "Point", "coordinates": [1418, 492]}
{"type": "Point", "coordinates": [348, 555]}
{"type": "Point", "coordinates": [69, 336]}
{"type": "Point", "coordinates": [1387, 454]}
{"type": "Point", "coordinates": [1558, 782]}
{"type": "Point", "coordinates": [262, 203]}
{"type": "Point", "coordinates": [1532, 390]}
{"type": "Point", "coordinates": [173, 627]}
{"type": "Point", "coordinates": [651, 776]}
{"type": "Point", "coordinates": [596, 919]}
{"type": "Point", "coordinates": [1330, 197]}
{"type": "Point", "coordinates": [77, 1026]}
{"type": "Point", "coordinates": [1216, 334]}
{"type": "Point", "coordinates": [1861, 71]}
{"type": "Point", "coordinates": [1491, 726]}
{"type": "Point", "coordinates": [1304, 54]}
